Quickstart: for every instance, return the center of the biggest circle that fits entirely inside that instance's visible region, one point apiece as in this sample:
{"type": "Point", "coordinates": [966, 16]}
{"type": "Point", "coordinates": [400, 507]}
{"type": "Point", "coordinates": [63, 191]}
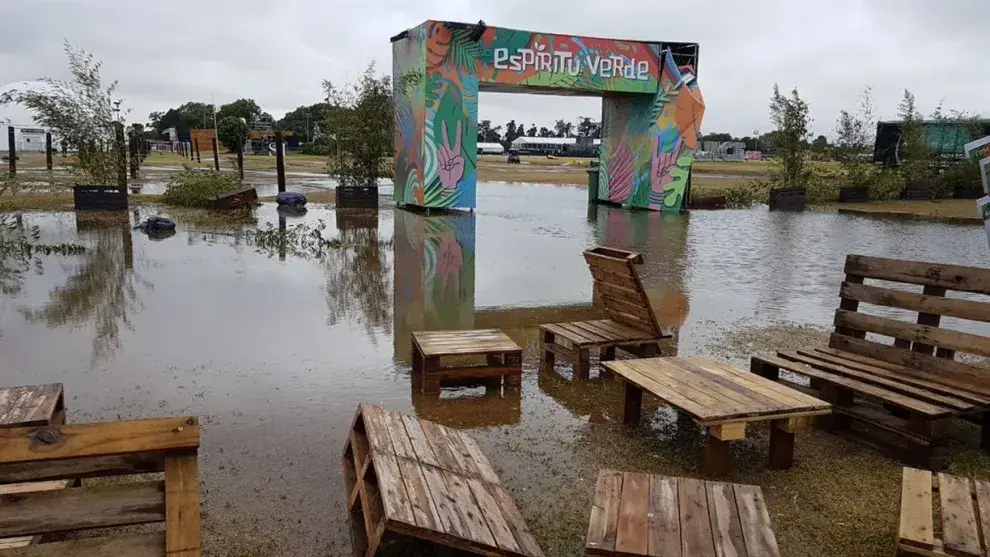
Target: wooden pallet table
{"type": "Point", "coordinates": [416, 484]}
{"type": "Point", "coordinates": [958, 524]}
{"type": "Point", "coordinates": [639, 514]}
{"type": "Point", "coordinates": [503, 357]}
{"type": "Point", "coordinates": [721, 398]}
{"type": "Point", "coordinates": [632, 326]}
{"type": "Point", "coordinates": [32, 405]}
{"type": "Point", "coordinates": [75, 451]}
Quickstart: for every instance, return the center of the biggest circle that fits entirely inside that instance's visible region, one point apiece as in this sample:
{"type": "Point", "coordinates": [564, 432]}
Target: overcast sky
{"type": "Point", "coordinates": [168, 52]}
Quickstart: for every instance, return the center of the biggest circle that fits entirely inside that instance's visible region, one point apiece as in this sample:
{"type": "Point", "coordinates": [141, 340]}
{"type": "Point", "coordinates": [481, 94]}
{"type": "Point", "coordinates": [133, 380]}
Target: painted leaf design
{"type": "Point", "coordinates": [463, 51]}
{"type": "Point", "coordinates": [621, 170]}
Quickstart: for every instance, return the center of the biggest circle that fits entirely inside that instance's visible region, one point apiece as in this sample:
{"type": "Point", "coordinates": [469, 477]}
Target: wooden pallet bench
{"type": "Point", "coordinates": [503, 357]}
{"type": "Point", "coordinates": [902, 395]}
{"type": "Point", "coordinates": [76, 451]}
{"type": "Point", "coordinates": [32, 405]}
{"type": "Point", "coordinates": [631, 326]}
{"type": "Point", "coordinates": [959, 522]}
{"type": "Point", "coordinates": [417, 486]}
{"type": "Point", "coordinates": [721, 398]}
{"type": "Point", "coordinates": [639, 514]}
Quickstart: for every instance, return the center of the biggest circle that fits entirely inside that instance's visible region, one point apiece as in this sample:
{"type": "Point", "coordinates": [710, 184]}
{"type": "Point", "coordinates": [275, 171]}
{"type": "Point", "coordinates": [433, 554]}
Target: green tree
{"type": "Point", "coordinates": [563, 129]}
{"type": "Point", "coordinates": [531, 132]}
{"type": "Point", "coordinates": [232, 131]}
{"type": "Point", "coordinates": [913, 150]}
{"type": "Point", "coordinates": [720, 137]}
{"type": "Point", "coordinates": [854, 136]}
{"type": "Point", "coordinates": [246, 109]}
{"type": "Point", "coordinates": [82, 111]}
{"type": "Point", "coordinates": [545, 132]}
{"type": "Point", "coordinates": [588, 127]}
{"type": "Point", "coordinates": [305, 121]}
{"type": "Point", "coordinates": [360, 121]}
{"type": "Point", "coordinates": [791, 117]}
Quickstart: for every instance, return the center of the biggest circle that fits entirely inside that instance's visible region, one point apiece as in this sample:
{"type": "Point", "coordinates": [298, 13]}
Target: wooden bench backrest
{"type": "Point", "coordinates": [75, 451]}
{"type": "Point", "coordinates": [923, 344]}
{"type": "Point", "coordinates": [622, 293]}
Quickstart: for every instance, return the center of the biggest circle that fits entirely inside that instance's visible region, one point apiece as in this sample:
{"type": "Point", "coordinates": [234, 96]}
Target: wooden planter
{"type": "Point", "coordinates": [858, 194]}
{"type": "Point", "coordinates": [235, 199]}
{"type": "Point", "coordinates": [717, 202]}
{"type": "Point", "coordinates": [967, 193]}
{"type": "Point", "coordinates": [100, 198]}
{"type": "Point", "coordinates": [788, 199]}
{"type": "Point", "coordinates": [357, 197]}
{"type": "Point", "coordinates": [918, 192]}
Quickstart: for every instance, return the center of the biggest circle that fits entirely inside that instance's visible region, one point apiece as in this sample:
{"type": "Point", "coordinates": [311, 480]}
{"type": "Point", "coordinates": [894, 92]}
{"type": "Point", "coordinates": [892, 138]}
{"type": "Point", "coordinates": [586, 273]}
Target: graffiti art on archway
{"type": "Point", "coordinates": [651, 111]}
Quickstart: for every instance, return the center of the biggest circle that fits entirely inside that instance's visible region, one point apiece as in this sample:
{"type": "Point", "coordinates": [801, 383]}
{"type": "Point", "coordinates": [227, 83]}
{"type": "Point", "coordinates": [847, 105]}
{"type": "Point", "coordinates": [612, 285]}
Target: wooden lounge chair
{"type": "Point", "coordinates": [909, 390]}
{"type": "Point", "coordinates": [631, 325]}
{"type": "Point", "coordinates": [61, 452]}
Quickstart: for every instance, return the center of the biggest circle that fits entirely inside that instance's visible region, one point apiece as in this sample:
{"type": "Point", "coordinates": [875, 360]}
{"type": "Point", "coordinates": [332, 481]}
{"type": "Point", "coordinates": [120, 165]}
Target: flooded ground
{"type": "Point", "coordinates": [274, 352]}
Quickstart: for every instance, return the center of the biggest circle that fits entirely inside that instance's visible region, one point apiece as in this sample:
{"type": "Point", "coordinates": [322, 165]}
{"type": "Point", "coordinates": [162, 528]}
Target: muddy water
{"type": "Point", "coordinates": [275, 351]}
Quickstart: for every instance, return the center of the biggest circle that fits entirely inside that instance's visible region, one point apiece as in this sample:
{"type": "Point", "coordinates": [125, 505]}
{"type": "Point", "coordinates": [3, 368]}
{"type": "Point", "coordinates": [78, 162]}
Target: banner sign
{"type": "Point", "coordinates": [979, 152]}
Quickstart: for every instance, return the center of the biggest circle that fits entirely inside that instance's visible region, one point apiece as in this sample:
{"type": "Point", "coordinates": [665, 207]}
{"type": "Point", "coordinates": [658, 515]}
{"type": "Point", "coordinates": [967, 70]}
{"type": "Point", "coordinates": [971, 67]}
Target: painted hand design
{"type": "Point", "coordinates": [662, 164]}
{"type": "Point", "coordinates": [449, 263]}
{"type": "Point", "coordinates": [450, 158]}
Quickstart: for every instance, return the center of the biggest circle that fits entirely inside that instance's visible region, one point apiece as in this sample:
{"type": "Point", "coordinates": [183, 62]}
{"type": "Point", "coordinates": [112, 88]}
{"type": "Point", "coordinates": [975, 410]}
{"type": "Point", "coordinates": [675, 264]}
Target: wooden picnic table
{"type": "Point", "coordinates": [416, 484]}
{"type": "Point", "coordinates": [723, 399]}
{"type": "Point", "coordinates": [432, 350]}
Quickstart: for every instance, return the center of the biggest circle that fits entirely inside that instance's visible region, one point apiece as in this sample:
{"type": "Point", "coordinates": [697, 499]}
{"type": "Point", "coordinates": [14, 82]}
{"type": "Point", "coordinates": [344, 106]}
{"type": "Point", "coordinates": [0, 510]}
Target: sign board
{"type": "Point", "coordinates": [984, 205]}
{"type": "Point", "coordinates": [979, 152]}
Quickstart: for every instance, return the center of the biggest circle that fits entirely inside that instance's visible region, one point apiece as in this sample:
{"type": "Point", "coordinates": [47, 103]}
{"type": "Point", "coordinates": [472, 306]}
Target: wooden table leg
{"type": "Point", "coordinates": [781, 446]}
{"type": "Point", "coordinates": [431, 375]}
{"type": "Point", "coordinates": [582, 363]}
{"type": "Point", "coordinates": [417, 358]}
{"type": "Point", "coordinates": [607, 354]}
{"type": "Point", "coordinates": [546, 356]}
{"type": "Point", "coordinates": [632, 404]}
{"type": "Point", "coordinates": [716, 459]}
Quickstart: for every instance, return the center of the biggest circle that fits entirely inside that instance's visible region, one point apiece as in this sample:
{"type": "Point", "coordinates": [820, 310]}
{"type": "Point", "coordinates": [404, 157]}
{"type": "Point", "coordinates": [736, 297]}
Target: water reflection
{"type": "Point", "coordinates": [358, 276]}
{"type": "Point", "coordinates": [103, 289]}
{"type": "Point", "coordinates": [434, 275]}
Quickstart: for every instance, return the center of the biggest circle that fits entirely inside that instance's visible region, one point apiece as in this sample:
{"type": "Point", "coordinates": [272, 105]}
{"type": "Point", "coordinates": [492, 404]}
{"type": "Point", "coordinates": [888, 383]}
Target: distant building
{"type": "Point", "coordinates": [574, 146]}
{"type": "Point", "coordinates": [490, 148]}
{"type": "Point", "coordinates": [945, 138]}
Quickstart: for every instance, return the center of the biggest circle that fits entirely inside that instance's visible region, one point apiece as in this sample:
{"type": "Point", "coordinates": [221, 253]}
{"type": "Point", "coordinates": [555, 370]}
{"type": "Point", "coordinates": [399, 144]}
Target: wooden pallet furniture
{"type": "Point", "coordinates": [787, 199]}
{"type": "Point", "coordinates": [943, 515]}
{"type": "Point", "coordinates": [414, 485]}
{"type": "Point", "coordinates": [902, 395]}
{"type": "Point", "coordinates": [721, 398]}
{"type": "Point", "coordinates": [76, 451]}
{"type": "Point", "coordinates": [31, 405]}
{"type": "Point", "coordinates": [640, 514]}
{"type": "Point", "coordinates": [631, 326]}
{"type": "Point", "coordinates": [503, 357]}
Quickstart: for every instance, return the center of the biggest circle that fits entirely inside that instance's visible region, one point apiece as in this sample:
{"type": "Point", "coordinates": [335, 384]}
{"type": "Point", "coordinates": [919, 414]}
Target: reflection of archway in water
{"type": "Point", "coordinates": [102, 290]}
{"type": "Point", "coordinates": [487, 406]}
{"type": "Point", "coordinates": [662, 239]}
{"type": "Point", "coordinates": [434, 274]}
{"type": "Point", "coordinates": [599, 399]}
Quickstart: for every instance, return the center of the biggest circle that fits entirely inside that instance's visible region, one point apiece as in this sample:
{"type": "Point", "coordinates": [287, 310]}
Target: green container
{"type": "Point", "coordinates": [592, 185]}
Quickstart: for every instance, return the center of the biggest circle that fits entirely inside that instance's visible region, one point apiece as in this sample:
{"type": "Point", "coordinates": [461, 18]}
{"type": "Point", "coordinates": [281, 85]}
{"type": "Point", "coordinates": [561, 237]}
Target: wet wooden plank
{"type": "Point", "coordinates": [492, 514]}
{"type": "Point", "coordinates": [960, 535]}
{"type": "Point", "coordinates": [98, 439]}
{"type": "Point", "coordinates": [376, 428]}
{"type": "Point", "coordinates": [755, 521]}
{"type": "Point", "coordinates": [664, 518]}
{"type": "Point", "coordinates": [465, 505]}
{"type": "Point", "coordinates": [730, 387]}
{"type": "Point", "coordinates": [632, 530]}
{"type": "Point", "coordinates": [30, 487]}
{"type": "Point", "coordinates": [89, 467]}
{"type": "Point", "coordinates": [696, 531]}
{"type": "Point", "coordinates": [30, 514]}
{"type": "Point", "coordinates": [916, 526]}
{"type": "Point", "coordinates": [974, 310]}
{"type": "Point", "coordinates": [603, 526]}
{"type": "Point", "coordinates": [464, 457]}
{"type": "Point", "coordinates": [484, 466]}
{"type": "Point", "coordinates": [513, 518]}
{"type": "Point", "coordinates": [925, 334]}
{"type": "Point", "coordinates": [440, 343]}
{"type": "Point", "coordinates": [400, 438]}
{"type": "Point", "coordinates": [697, 404]}
{"type": "Point", "coordinates": [953, 277]}
{"type": "Point", "coordinates": [29, 405]}
{"type": "Point", "coordinates": [421, 446]}
{"type": "Point", "coordinates": [133, 545]}
{"type": "Point", "coordinates": [182, 529]}
{"type": "Point", "coordinates": [983, 505]}
{"type": "Point", "coordinates": [726, 526]}
{"type": "Point", "coordinates": [446, 458]}
{"type": "Point", "coordinates": [393, 490]}
{"type": "Point", "coordinates": [444, 502]}
{"type": "Point", "coordinates": [794, 399]}
{"type": "Point", "coordinates": [717, 404]}
{"type": "Point", "coordinates": [423, 507]}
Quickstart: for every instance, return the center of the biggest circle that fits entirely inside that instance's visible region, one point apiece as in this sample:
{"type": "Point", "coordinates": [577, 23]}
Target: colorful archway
{"type": "Point", "coordinates": [651, 109]}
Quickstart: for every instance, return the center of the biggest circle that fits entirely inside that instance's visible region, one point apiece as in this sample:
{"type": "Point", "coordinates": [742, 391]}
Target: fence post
{"type": "Point", "coordinates": [48, 149]}
{"type": "Point", "coordinates": [121, 155]}
{"type": "Point", "coordinates": [240, 160]}
{"type": "Point", "coordinates": [280, 161]}
{"type": "Point", "coordinates": [196, 148]}
{"type": "Point", "coordinates": [216, 154]}
{"type": "Point", "coordinates": [134, 155]}
{"type": "Point", "coordinates": [11, 151]}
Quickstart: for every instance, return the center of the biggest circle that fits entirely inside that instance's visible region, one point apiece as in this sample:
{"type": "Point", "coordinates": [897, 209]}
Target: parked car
{"type": "Point", "coordinates": [513, 158]}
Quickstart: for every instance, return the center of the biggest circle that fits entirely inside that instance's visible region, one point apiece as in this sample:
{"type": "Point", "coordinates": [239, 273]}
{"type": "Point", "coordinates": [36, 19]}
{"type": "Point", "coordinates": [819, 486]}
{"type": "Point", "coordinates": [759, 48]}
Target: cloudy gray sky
{"type": "Point", "coordinates": [166, 52]}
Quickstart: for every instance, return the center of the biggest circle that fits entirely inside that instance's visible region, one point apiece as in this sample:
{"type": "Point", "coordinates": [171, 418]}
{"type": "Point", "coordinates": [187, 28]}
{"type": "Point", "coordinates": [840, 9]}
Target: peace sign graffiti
{"type": "Point", "coordinates": [450, 158]}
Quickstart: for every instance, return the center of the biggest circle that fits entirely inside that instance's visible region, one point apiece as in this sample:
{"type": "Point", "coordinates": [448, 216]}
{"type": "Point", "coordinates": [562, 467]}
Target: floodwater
{"type": "Point", "coordinates": [275, 351]}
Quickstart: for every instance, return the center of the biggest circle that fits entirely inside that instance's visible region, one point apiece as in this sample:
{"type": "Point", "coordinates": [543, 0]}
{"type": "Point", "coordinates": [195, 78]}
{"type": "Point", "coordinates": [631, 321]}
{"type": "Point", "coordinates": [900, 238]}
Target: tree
{"type": "Point", "coordinates": [720, 137]}
{"type": "Point", "coordinates": [198, 116]}
{"type": "Point", "coordinates": [232, 131]}
{"type": "Point", "coordinates": [913, 150]}
{"type": "Point", "coordinates": [305, 121]}
{"type": "Point", "coordinates": [563, 129]}
{"type": "Point", "coordinates": [791, 117]}
{"type": "Point", "coordinates": [820, 144]}
{"type": "Point", "coordinates": [544, 132]}
{"type": "Point", "coordinates": [588, 127]}
{"type": "Point", "coordinates": [510, 133]}
{"type": "Point", "coordinates": [360, 120]}
{"type": "Point", "coordinates": [82, 112]}
{"type": "Point", "coordinates": [484, 130]}
{"type": "Point", "coordinates": [531, 132]}
{"type": "Point", "coordinates": [246, 109]}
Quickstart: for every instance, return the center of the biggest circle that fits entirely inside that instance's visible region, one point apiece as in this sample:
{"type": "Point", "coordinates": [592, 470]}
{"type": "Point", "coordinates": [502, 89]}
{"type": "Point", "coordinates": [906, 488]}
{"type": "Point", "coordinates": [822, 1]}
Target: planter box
{"type": "Point", "coordinates": [357, 219]}
{"type": "Point", "coordinates": [788, 199]}
{"type": "Point", "coordinates": [918, 192]}
{"type": "Point", "coordinates": [717, 202]}
{"type": "Point", "coordinates": [857, 194]}
{"type": "Point", "coordinates": [357, 197]}
{"type": "Point", "coordinates": [235, 199]}
{"type": "Point", "coordinates": [100, 198]}
{"type": "Point", "coordinates": [967, 193]}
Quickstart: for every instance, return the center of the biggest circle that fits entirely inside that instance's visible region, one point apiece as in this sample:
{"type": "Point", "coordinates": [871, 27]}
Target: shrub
{"type": "Point", "coordinates": [885, 184]}
{"type": "Point", "coordinates": [965, 174]}
{"type": "Point", "coordinates": [198, 188]}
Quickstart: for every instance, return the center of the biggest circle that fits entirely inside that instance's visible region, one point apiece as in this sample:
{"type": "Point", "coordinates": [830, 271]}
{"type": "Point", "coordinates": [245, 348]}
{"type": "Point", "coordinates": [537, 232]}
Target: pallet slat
{"type": "Point", "coordinates": [696, 530]}
{"type": "Point", "coordinates": [916, 526]}
{"type": "Point", "coordinates": [953, 277]}
{"type": "Point", "coordinates": [632, 528]}
{"type": "Point", "coordinates": [755, 521]}
{"type": "Point", "coordinates": [29, 405]}
{"type": "Point", "coordinates": [726, 526]}
{"type": "Point", "coordinates": [182, 531]}
{"type": "Point", "coordinates": [133, 545]}
{"type": "Point", "coordinates": [935, 336]}
{"type": "Point", "coordinates": [665, 522]}
{"type": "Point", "coordinates": [603, 526]}
{"type": "Point", "coordinates": [939, 305]}
{"type": "Point", "coordinates": [960, 535]}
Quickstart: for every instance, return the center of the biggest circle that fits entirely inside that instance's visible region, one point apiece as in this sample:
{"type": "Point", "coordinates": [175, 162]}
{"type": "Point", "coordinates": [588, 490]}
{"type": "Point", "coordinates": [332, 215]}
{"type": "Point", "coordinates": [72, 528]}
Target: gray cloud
{"type": "Point", "coordinates": [166, 53]}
